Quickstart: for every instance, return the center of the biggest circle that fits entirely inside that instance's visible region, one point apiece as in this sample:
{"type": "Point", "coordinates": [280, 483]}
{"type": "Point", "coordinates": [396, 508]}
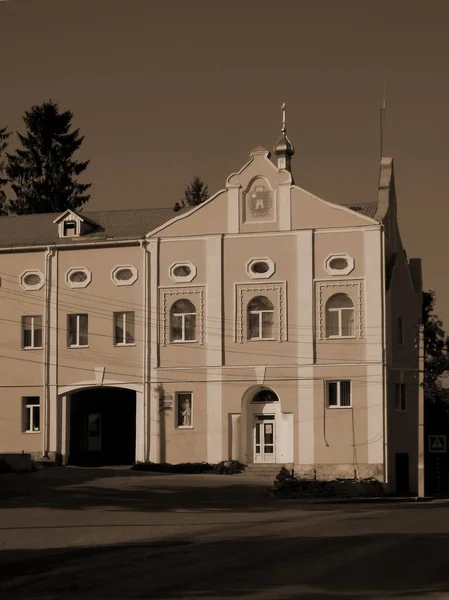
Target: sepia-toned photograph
{"type": "Point", "coordinates": [224, 358]}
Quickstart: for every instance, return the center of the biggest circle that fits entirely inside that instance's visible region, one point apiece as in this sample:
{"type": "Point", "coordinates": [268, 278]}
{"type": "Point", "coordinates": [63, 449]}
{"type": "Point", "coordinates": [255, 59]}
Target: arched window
{"type": "Point", "coordinates": [183, 321]}
{"type": "Point", "coordinates": [260, 319]}
{"type": "Point", "coordinates": [339, 316]}
{"type": "Point", "coordinates": [265, 395]}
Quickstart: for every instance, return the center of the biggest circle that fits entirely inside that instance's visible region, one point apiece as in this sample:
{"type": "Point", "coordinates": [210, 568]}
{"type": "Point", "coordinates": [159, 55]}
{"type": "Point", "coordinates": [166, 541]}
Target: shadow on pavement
{"type": "Point", "coordinates": [84, 488]}
{"type": "Point", "coordinates": [358, 566]}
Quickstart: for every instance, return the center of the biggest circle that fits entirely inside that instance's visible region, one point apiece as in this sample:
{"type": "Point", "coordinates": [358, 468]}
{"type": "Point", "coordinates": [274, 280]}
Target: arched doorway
{"type": "Point", "coordinates": [264, 404]}
{"type": "Point", "coordinates": [102, 426]}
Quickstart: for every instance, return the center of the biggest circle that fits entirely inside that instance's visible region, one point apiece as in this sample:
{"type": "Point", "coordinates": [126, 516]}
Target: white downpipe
{"type": "Point", "coordinates": [46, 437]}
{"type": "Point", "coordinates": [384, 355]}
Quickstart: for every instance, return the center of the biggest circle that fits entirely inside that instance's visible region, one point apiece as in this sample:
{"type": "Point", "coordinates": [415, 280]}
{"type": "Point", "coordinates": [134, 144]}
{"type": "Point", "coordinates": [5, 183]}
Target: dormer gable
{"type": "Point", "coordinates": [72, 224]}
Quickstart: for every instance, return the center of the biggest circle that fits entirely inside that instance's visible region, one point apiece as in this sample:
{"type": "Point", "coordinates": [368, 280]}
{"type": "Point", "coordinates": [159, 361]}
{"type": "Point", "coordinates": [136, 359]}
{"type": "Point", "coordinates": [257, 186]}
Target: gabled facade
{"type": "Point", "coordinates": [265, 325]}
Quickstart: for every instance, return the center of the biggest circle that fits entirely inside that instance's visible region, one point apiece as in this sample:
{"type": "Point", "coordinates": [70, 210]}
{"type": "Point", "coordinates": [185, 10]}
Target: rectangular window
{"type": "Point", "coordinates": [400, 398]}
{"type": "Point", "coordinates": [32, 332]}
{"type": "Point", "coordinates": [339, 394]}
{"type": "Point", "coordinates": [124, 328]}
{"type": "Point", "coordinates": [69, 229]}
{"type": "Point", "coordinates": [31, 414]}
{"type": "Point", "coordinates": [184, 408]}
{"type": "Point", "coordinates": [77, 330]}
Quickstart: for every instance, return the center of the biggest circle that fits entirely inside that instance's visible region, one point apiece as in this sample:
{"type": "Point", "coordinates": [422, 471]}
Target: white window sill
{"type": "Point", "coordinates": [184, 427]}
{"type": "Point", "coordinates": [261, 340]}
{"type": "Point", "coordinates": [32, 348]}
{"type": "Point", "coordinates": [74, 346]}
{"type": "Point", "coordinates": [123, 345]}
{"type": "Point", "coordinates": [184, 342]}
{"type": "Point", "coordinates": [333, 407]}
{"type": "Point", "coordinates": [29, 431]}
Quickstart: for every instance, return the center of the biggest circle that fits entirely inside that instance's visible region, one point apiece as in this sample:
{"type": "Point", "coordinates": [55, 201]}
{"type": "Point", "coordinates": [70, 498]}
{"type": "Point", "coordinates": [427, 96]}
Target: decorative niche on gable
{"type": "Point", "coordinates": [259, 202]}
{"type": "Point", "coordinates": [72, 224]}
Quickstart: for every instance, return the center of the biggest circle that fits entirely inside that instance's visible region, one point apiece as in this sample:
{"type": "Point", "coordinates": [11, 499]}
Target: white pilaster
{"type": "Point", "coordinates": [375, 412]}
{"type": "Point", "coordinates": [233, 208]}
{"type": "Point", "coordinates": [304, 271]}
{"type": "Point", "coordinates": [140, 430]}
{"type": "Point", "coordinates": [306, 416]}
{"type": "Point", "coordinates": [214, 413]}
{"type": "Point", "coordinates": [285, 217]}
{"type": "Point", "coordinates": [373, 314]}
{"type": "Point", "coordinates": [214, 295]}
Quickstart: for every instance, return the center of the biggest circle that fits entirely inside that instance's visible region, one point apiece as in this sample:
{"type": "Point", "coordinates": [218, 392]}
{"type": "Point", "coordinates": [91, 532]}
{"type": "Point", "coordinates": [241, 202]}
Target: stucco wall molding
{"type": "Point", "coordinates": [183, 292]}
{"type": "Point", "coordinates": [339, 286]}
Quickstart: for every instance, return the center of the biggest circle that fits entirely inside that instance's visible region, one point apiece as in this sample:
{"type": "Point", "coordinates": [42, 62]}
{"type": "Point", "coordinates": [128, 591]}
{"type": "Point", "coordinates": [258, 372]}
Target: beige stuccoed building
{"type": "Point", "coordinates": [265, 325]}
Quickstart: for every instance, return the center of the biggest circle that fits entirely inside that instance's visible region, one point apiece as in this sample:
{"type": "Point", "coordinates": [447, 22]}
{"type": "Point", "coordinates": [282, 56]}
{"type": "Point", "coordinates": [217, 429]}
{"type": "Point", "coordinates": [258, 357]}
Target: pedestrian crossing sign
{"type": "Point", "coordinates": [437, 443]}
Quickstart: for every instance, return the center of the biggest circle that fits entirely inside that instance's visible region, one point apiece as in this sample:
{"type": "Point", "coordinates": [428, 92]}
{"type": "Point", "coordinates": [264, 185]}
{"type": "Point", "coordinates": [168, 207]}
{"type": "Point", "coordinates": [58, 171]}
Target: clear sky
{"type": "Point", "coordinates": [165, 91]}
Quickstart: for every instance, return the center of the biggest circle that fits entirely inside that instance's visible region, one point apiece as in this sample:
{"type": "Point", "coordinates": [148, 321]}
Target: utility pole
{"type": "Point", "coordinates": [421, 472]}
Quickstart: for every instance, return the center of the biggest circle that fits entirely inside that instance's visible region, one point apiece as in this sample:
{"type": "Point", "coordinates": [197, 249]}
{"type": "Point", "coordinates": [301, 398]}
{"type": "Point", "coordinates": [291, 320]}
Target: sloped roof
{"type": "Point", "coordinates": [39, 229]}
{"type": "Point", "coordinates": [368, 209]}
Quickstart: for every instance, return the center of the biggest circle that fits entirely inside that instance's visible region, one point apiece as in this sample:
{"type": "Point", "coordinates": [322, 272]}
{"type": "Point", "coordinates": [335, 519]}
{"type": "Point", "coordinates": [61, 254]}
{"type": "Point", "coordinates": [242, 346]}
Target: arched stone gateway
{"type": "Point", "coordinates": [102, 426]}
{"type": "Point", "coordinates": [262, 433]}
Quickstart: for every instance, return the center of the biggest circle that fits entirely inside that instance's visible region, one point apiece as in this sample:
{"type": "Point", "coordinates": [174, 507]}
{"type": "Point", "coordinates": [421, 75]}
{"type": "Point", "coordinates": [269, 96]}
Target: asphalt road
{"type": "Point", "coordinates": [114, 534]}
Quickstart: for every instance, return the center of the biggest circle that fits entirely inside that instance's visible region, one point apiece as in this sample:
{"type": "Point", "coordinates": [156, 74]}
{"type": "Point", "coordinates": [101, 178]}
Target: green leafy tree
{"type": "Point", "coordinates": [436, 355]}
{"type": "Point", "coordinates": [195, 193]}
{"type": "Point", "coordinates": [4, 135]}
{"type": "Point", "coordinates": [42, 173]}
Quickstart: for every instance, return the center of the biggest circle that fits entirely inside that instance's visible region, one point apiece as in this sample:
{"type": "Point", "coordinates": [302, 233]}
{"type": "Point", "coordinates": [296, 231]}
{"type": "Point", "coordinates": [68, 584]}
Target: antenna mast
{"type": "Point", "coordinates": [382, 120]}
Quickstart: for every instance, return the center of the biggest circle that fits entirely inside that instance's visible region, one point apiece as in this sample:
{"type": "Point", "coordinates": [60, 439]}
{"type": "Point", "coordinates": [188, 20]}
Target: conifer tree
{"type": "Point", "coordinates": [42, 172]}
{"type": "Point", "coordinates": [4, 135]}
{"type": "Point", "coordinates": [195, 193]}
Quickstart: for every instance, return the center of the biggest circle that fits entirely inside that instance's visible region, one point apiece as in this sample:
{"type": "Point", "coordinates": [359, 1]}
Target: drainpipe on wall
{"type": "Point", "coordinates": [144, 247]}
{"type": "Point", "coordinates": [384, 356]}
{"type": "Point", "coordinates": [46, 437]}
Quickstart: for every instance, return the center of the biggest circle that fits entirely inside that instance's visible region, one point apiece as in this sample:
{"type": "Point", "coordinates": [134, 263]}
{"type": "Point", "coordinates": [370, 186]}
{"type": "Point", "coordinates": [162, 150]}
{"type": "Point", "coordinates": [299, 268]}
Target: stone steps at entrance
{"type": "Point", "coordinates": [265, 470]}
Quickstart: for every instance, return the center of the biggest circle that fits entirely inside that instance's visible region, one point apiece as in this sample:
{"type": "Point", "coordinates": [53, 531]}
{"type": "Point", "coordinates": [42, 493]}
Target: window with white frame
{"type": "Point", "coordinates": [260, 319]}
{"type": "Point", "coordinates": [32, 332]}
{"type": "Point", "coordinates": [31, 414]}
{"type": "Point", "coordinates": [340, 317]}
{"type": "Point", "coordinates": [70, 229]}
{"type": "Point", "coordinates": [339, 394]}
{"type": "Point", "coordinates": [77, 331]}
{"type": "Point", "coordinates": [183, 321]}
{"type": "Point", "coordinates": [400, 397]}
{"type": "Point", "coordinates": [184, 410]}
{"type": "Point", "coordinates": [124, 328]}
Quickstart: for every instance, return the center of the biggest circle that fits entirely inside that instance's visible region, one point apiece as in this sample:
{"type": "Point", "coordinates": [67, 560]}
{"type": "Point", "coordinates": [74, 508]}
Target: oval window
{"type": "Point", "coordinates": [124, 275]}
{"type": "Point", "coordinates": [338, 263]}
{"type": "Point", "coordinates": [182, 271]}
{"type": "Point", "coordinates": [78, 277]}
{"type": "Point", "coordinates": [260, 267]}
{"type": "Point", "coordinates": [32, 279]}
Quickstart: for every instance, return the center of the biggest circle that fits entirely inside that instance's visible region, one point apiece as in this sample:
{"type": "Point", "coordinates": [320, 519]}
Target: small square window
{"type": "Point", "coordinates": [70, 229]}
{"type": "Point", "coordinates": [184, 410]}
{"type": "Point", "coordinates": [339, 394]}
{"type": "Point", "coordinates": [31, 414]}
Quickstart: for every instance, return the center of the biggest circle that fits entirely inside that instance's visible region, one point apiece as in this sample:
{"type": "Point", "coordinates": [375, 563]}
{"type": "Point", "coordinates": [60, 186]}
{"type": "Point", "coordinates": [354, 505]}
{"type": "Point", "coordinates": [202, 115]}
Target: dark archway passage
{"type": "Point", "coordinates": [102, 427]}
